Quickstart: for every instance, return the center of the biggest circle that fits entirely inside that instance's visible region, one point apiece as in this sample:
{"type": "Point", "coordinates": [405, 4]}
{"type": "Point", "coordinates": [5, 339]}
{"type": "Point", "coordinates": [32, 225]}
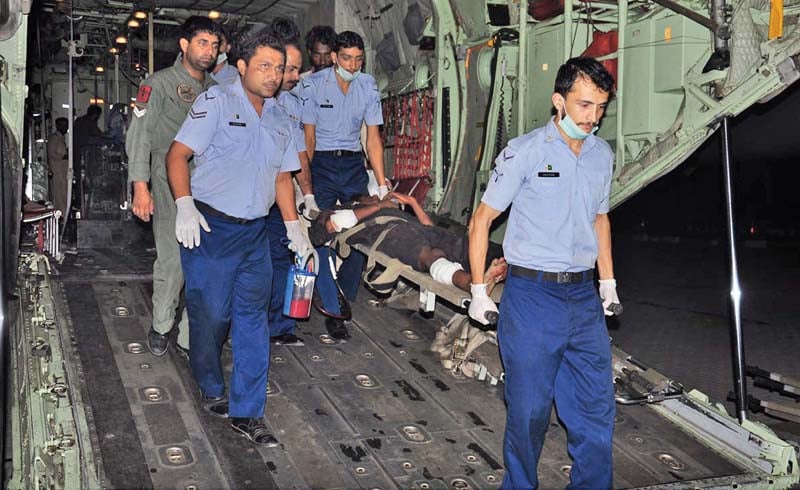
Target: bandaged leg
{"type": "Point", "coordinates": [442, 270]}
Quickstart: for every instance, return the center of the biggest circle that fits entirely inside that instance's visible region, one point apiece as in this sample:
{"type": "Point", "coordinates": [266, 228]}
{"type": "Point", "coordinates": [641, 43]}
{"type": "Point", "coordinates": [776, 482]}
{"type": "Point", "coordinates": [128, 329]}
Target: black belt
{"type": "Point", "coordinates": [544, 276]}
{"type": "Point", "coordinates": [206, 209]}
{"type": "Point", "coordinates": [338, 153]}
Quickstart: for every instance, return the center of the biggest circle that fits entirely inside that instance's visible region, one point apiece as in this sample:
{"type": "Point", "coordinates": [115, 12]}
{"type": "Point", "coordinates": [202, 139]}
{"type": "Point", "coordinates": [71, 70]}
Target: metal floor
{"type": "Point", "coordinates": [376, 412]}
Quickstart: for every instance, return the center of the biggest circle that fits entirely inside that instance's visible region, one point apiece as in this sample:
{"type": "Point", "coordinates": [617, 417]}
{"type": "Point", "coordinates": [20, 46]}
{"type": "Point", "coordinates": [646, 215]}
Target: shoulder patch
{"type": "Point", "coordinates": [143, 95]}
{"type": "Point", "coordinates": [186, 93]}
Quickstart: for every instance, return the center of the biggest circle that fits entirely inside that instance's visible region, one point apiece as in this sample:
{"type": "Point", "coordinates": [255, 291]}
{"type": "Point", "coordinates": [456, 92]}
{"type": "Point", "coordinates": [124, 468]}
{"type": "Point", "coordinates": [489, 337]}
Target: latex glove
{"type": "Point", "coordinates": [382, 191]}
{"type": "Point", "coordinates": [298, 243]}
{"type": "Point", "coordinates": [481, 304]}
{"type": "Point", "coordinates": [188, 222]}
{"type": "Point", "coordinates": [608, 293]}
{"type": "Point", "coordinates": [310, 208]}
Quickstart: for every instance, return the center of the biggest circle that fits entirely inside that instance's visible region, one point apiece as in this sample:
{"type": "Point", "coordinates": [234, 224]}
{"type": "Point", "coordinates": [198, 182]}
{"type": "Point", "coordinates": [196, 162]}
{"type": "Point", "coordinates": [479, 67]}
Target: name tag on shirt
{"type": "Point", "coordinates": [549, 174]}
{"type": "Point", "coordinates": [326, 106]}
{"type": "Point", "coordinates": [237, 124]}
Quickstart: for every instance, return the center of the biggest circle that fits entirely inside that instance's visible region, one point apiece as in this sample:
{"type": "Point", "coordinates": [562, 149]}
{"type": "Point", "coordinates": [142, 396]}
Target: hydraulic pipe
{"type": "Point", "coordinates": [522, 67]}
{"type": "Point", "coordinates": [739, 373]}
{"type": "Point", "coordinates": [721, 29]}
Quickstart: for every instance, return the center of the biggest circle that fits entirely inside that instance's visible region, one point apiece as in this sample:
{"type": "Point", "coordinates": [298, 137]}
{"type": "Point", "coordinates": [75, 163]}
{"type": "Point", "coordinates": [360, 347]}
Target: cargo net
{"type": "Point", "coordinates": [408, 124]}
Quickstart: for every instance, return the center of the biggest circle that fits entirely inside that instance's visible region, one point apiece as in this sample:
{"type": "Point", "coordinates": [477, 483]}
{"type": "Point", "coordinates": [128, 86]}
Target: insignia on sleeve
{"type": "Point", "coordinates": [208, 96]}
{"type": "Point", "coordinates": [197, 114]}
{"type": "Point", "coordinates": [139, 111]}
{"type": "Point", "coordinates": [186, 93]}
{"type": "Point", "coordinates": [496, 174]}
{"type": "Point", "coordinates": [143, 95]}
{"type": "Point", "coordinates": [507, 156]}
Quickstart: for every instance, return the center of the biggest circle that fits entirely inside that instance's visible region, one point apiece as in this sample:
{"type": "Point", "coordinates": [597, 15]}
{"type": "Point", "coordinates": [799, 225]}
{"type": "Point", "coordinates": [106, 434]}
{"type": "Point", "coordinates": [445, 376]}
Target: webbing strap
{"type": "Point", "coordinates": [340, 242]}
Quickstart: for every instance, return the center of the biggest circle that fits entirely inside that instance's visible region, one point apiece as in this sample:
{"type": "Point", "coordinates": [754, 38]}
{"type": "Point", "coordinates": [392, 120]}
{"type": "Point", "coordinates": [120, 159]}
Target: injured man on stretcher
{"type": "Point", "coordinates": [413, 239]}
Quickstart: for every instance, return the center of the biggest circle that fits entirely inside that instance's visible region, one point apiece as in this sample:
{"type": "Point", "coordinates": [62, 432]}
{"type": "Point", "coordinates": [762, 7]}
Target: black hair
{"type": "Point", "coordinates": [94, 110]}
{"type": "Point", "coordinates": [348, 39]}
{"type": "Point", "coordinates": [245, 45]}
{"type": "Point", "coordinates": [286, 31]}
{"type": "Point", "coordinates": [62, 121]}
{"type": "Point", "coordinates": [197, 24]}
{"type": "Point", "coordinates": [321, 34]}
{"type": "Point", "coordinates": [584, 67]}
{"type": "Point", "coordinates": [318, 233]}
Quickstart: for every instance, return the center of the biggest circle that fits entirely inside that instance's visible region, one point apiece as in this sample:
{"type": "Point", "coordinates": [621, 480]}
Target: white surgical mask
{"type": "Point", "coordinates": [221, 58]}
{"type": "Point", "coordinates": [346, 75]}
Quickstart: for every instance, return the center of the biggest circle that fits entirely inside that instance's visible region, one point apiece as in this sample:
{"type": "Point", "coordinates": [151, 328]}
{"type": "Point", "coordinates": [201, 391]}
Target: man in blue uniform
{"type": "Point", "coordinates": [223, 71]}
{"type": "Point", "coordinates": [340, 99]}
{"type": "Point", "coordinates": [552, 333]}
{"type": "Point", "coordinates": [291, 99]}
{"type": "Point", "coordinates": [244, 151]}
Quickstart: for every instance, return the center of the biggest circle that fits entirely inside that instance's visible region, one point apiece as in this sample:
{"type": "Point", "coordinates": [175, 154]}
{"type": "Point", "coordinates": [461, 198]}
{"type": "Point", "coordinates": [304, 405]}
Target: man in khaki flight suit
{"type": "Point", "coordinates": [162, 104]}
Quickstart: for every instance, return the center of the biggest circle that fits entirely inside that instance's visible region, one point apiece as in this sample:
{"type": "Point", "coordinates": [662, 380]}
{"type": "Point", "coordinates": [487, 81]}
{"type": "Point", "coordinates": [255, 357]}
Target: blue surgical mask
{"type": "Point", "coordinates": [346, 75]}
{"type": "Point", "coordinates": [573, 130]}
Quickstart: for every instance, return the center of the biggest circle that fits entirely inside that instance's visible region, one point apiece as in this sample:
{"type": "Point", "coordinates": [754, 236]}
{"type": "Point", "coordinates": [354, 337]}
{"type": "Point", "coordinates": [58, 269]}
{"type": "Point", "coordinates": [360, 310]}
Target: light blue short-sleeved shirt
{"type": "Point", "coordinates": [237, 154]}
{"type": "Point", "coordinates": [228, 74]}
{"type": "Point", "coordinates": [554, 197]}
{"type": "Point", "coordinates": [338, 117]}
{"type": "Point", "coordinates": [292, 102]}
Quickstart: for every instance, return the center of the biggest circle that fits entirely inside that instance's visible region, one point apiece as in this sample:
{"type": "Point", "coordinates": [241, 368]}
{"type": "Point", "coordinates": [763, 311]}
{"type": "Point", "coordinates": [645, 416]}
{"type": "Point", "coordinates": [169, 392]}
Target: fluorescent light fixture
{"type": "Point", "coordinates": [65, 106]}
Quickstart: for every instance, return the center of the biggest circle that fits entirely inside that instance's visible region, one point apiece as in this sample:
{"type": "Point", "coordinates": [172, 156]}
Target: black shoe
{"type": "Point", "coordinates": [216, 406]}
{"type": "Point", "coordinates": [337, 329]}
{"type": "Point", "coordinates": [156, 342]}
{"type": "Point", "coordinates": [288, 339]}
{"type": "Point", "coordinates": [255, 430]}
{"type": "Point", "coordinates": [182, 352]}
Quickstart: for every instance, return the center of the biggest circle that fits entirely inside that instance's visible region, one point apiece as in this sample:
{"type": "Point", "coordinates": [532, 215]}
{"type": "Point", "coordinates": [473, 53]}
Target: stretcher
{"type": "Point", "coordinates": [392, 269]}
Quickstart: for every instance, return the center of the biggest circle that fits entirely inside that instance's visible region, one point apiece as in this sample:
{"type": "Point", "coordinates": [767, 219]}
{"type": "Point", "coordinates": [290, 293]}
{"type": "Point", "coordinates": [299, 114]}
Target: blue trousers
{"type": "Point", "coordinates": [554, 344]}
{"type": "Point", "coordinates": [282, 259]}
{"type": "Point", "coordinates": [228, 281]}
{"type": "Point", "coordinates": [338, 178]}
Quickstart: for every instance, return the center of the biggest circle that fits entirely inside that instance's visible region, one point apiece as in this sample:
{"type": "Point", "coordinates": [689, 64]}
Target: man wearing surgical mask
{"type": "Point", "coordinates": [551, 331]}
{"type": "Point", "coordinates": [340, 99]}
{"type": "Point", "coordinates": [224, 72]}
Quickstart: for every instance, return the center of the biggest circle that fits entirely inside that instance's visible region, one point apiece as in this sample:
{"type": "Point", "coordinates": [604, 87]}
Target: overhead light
{"type": "Point", "coordinates": [97, 100]}
{"type": "Point", "coordinates": [114, 50]}
{"type": "Point", "coordinates": [99, 69]}
{"type": "Point", "coordinates": [37, 114]}
{"type": "Point", "coordinates": [133, 23]}
{"type": "Point", "coordinates": [121, 39]}
{"type": "Point", "coordinates": [140, 14]}
{"type": "Point", "coordinates": [65, 106]}
{"type": "Point", "coordinates": [213, 14]}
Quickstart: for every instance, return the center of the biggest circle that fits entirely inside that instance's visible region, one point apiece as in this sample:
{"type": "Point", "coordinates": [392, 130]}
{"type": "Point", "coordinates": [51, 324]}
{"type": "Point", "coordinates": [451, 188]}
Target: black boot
{"type": "Point", "coordinates": [337, 329]}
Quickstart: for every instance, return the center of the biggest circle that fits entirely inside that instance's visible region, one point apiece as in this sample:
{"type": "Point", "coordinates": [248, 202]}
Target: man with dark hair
{"type": "Point", "coordinates": [552, 334]}
{"type": "Point", "coordinates": [244, 150]}
{"type": "Point", "coordinates": [291, 99]}
{"type": "Point", "coordinates": [57, 160]}
{"type": "Point", "coordinates": [320, 41]}
{"type": "Point", "coordinates": [340, 99]}
{"type": "Point", "coordinates": [86, 129]}
{"type": "Point", "coordinates": [223, 71]}
{"type": "Point", "coordinates": [162, 103]}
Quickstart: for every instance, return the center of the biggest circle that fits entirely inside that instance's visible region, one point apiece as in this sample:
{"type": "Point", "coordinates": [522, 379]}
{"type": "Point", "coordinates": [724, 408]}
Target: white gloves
{"type": "Point", "coordinates": [608, 293]}
{"type": "Point", "coordinates": [188, 222]}
{"type": "Point", "coordinates": [382, 191]}
{"type": "Point", "coordinates": [299, 244]}
{"type": "Point", "coordinates": [481, 304]}
{"type": "Point", "coordinates": [310, 208]}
